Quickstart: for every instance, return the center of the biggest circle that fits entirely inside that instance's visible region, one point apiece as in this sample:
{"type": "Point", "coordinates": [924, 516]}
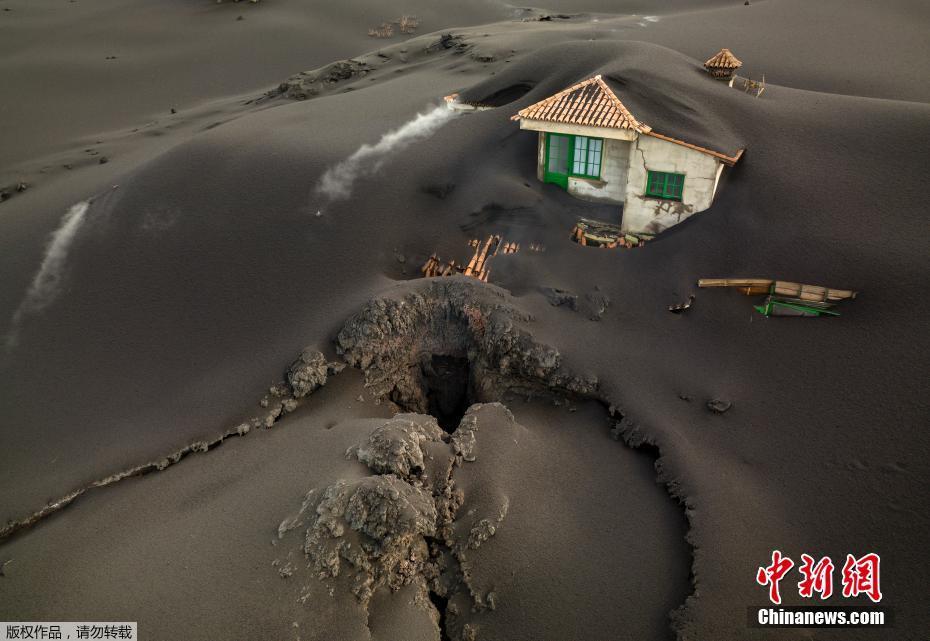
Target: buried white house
{"type": "Point", "coordinates": [593, 147]}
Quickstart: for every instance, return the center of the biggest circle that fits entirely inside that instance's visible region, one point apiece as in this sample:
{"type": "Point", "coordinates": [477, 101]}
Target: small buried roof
{"type": "Point", "coordinates": [724, 59]}
{"type": "Point", "coordinates": [590, 102]}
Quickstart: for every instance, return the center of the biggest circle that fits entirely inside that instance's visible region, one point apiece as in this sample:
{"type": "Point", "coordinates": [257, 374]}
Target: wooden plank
{"type": "Point", "coordinates": [471, 264]}
{"type": "Point", "coordinates": [811, 292]}
{"type": "Point", "coordinates": [429, 267]}
{"type": "Point", "coordinates": [754, 290]}
{"type": "Point", "coordinates": [479, 265]}
{"type": "Point", "coordinates": [755, 286]}
{"type": "Point", "coordinates": [735, 282]}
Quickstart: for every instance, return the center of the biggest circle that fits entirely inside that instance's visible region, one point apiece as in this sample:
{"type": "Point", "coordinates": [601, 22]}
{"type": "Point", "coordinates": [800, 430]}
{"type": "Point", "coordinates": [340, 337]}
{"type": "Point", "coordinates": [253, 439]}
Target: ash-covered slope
{"type": "Point", "coordinates": [338, 524]}
{"type": "Point", "coordinates": [189, 286]}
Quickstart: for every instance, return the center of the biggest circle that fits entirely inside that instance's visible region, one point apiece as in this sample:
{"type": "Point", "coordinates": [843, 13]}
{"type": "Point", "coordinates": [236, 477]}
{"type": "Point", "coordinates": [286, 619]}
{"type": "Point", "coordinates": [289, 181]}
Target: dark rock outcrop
{"type": "Point", "coordinates": [308, 84]}
{"type": "Point", "coordinates": [560, 297]}
{"type": "Point", "coordinates": [392, 340]}
{"type": "Point", "coordinates": [310, 372]}
{"type": "Point", "coordinates": [399, 528]}
{"type": "Point", "coordinates": [397, 447]}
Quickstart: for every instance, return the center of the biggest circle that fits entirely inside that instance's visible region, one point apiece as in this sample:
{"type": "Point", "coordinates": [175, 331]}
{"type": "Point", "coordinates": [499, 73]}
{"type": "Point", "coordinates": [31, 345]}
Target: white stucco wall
{"type": "Point", "coordinates": [624, 169]}
{"type": "Point", "coordinates": [611, 188]}
{"type": "Point", "coordinates": [615, 162]}
{"type": "Point", "coordinates": [653, 215]}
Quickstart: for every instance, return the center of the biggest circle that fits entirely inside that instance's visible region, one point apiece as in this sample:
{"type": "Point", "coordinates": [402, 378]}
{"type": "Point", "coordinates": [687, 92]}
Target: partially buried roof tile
{"type": "Point", "coordinates": [723, 59]}
{"type": "Point", "coordinates": [590, 102]}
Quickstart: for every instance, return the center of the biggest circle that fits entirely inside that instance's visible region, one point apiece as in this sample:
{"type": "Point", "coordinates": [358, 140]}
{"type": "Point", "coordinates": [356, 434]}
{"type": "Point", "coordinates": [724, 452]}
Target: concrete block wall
{"type": "Point", "coordinates": [653, 215]}
{"type": "Point", "coordinates": [611, 188]}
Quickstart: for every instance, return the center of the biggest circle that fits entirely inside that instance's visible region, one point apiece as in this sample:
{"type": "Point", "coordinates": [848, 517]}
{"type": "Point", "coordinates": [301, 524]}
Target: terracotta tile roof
{"type": "Point", "coordinates": [590, 102]}
{"type": "Point", "coordinates": [723, 59]}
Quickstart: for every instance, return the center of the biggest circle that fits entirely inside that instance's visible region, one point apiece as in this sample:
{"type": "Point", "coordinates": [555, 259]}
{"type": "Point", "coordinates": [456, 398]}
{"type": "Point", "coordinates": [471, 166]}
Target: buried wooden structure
{"type": "Point", "coordinates": [597, 233]}
{"type": "Point", "coordinates": [723, 64]}
{"type": "Point", "coordinates": [757, 286]}
{"type": "Point", "coordinates": [752, 87]}
{"type": "Point", "coordinates": [784, 298]}
{"type": "Point", "coordinates": [479, 265]}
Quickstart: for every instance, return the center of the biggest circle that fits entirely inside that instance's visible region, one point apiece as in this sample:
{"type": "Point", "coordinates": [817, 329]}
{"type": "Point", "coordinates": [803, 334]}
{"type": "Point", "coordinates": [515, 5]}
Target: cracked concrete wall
{"type": "Point", "coordinates": [653, 215]}
{"type": "Point", "coordinates": [611, 188]}
{"type": "Point", "coordinates": [624, 169]}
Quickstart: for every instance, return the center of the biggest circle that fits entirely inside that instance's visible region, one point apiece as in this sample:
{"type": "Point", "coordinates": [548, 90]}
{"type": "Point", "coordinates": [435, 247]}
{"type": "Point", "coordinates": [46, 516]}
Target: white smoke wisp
{"type": "Point", "coordinates": [337, 181]}
{"type": "Point", "coordinates": [46, 284]}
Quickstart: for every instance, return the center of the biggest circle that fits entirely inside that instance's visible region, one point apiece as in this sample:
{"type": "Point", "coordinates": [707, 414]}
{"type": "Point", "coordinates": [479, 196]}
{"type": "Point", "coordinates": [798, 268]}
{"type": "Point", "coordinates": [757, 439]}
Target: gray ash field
{"type": "Point", "coordinates": [232, 408]}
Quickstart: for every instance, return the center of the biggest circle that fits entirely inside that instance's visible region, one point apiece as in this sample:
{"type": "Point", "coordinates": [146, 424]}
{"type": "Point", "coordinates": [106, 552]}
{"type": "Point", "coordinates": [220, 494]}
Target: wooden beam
{"type": "Point", "coordinates": [735, 282]}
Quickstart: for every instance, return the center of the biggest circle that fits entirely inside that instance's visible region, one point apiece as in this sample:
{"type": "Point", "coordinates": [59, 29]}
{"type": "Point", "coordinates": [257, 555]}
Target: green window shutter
{"type": "Point", "coordinates": [661, 184]}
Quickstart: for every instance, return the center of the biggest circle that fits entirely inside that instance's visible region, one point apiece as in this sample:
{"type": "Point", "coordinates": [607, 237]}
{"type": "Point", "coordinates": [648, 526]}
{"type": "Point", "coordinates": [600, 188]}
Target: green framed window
{"type": "Point", "coordinates": [586, 156]}
{"type": "Point", "coordinates": [568, 155]}
{"type": "Point", "coordinates": [558, 153]}
{"type": "Point", "coordinates": [662, 184]}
